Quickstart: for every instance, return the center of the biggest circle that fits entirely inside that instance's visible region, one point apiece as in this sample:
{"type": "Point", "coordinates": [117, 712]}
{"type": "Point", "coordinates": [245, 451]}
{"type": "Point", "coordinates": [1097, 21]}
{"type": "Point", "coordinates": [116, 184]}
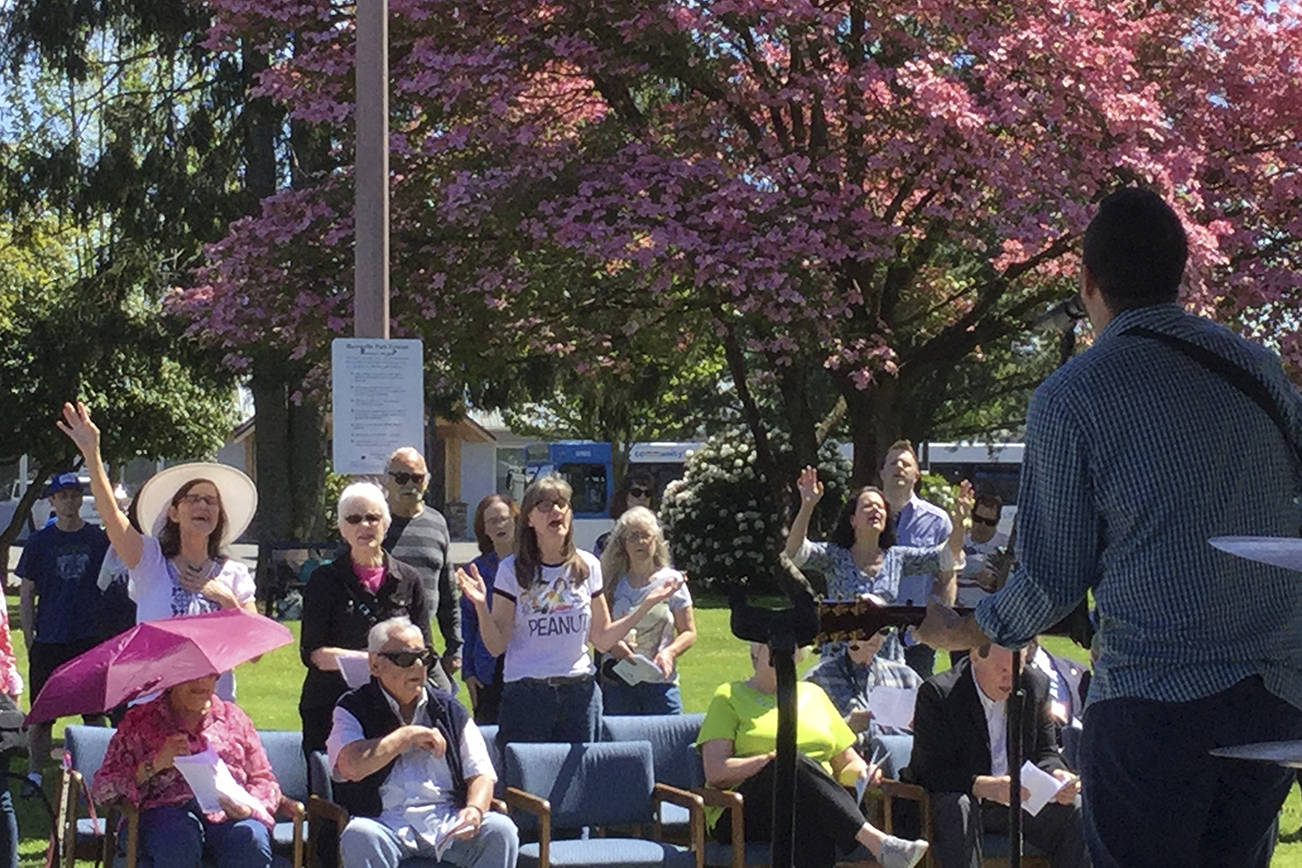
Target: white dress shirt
{"type": "Point", "coordinates": [997, 727]}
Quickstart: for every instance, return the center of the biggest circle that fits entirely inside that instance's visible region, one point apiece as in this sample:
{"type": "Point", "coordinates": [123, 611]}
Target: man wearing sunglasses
{"type": "Point", "coordinates": [419, 537]}
{"type": "Point", "coordinates": [976, 581]}
{"type": "Point", "coordinates": [411, 767]}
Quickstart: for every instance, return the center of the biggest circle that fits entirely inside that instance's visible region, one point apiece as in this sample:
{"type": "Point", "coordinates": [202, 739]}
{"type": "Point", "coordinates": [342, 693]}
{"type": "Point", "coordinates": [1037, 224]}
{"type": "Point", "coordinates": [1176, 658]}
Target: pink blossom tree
{"type": "Point", "coordinates": [874, 193]}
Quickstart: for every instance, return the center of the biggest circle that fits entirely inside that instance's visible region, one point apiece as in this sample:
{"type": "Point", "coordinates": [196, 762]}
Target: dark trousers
{"type": "Point", "coordinates": [959, 822]}
{"type": "Point", "coordinates": [826, 815]}
{"type": "Point", "coordinates": [1153, 795]}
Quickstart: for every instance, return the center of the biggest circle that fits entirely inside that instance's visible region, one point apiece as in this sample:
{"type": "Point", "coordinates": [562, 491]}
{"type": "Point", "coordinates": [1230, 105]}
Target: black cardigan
{"type": "Point", "coordinates": [338, 612]}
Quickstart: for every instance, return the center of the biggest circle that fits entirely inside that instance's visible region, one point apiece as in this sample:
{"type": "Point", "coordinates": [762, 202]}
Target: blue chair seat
{"type": "Point", "coordinates": [674, 818]}
{"type": "Point", "coordinates": [282, 835]}
{"type": "Point", "coordinates": [90, 831]}
{"type": "Point", "coordinates": [615, 852]}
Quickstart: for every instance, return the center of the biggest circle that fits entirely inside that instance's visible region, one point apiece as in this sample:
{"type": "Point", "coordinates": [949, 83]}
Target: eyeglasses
{"type": "Point", "coordinates": [369, 518]}
{"type": "Point", "coordinates": [424, 657]}
{"type": "Point", "coordinates": [637, 491]}
{"type": "Point", "coordinates": [402, 478]}
{"type": "Point", "coordinates": [988, 522]}
{"type": "Point", "coordinates": [546, 505]}
{"type": "Point", "coordinates": [205, 499]}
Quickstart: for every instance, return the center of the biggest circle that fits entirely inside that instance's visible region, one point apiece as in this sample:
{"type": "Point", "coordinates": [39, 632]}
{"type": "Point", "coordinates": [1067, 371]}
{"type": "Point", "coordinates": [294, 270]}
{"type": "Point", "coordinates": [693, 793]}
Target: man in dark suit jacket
{"type": "Point", "coordinates": [960, 716]}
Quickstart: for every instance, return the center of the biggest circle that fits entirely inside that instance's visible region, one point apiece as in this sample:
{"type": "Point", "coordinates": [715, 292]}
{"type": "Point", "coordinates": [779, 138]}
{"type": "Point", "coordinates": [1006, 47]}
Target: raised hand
{"type": "Point", "coordinates": [80, 429]}
{"type": "Point", "coordinates": [964, 498]}
{"type": "Point", "coordinates": [472, 585]}
{"type": "Point", "coordinates": [662, 591]}
{"type": "Point", "coordinates": [811, 490]}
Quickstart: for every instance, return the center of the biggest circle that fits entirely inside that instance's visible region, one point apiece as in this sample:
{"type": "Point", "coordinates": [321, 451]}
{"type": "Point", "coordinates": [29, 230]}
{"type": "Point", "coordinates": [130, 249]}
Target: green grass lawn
{"type": "Point", "coordinates": [268, 691]}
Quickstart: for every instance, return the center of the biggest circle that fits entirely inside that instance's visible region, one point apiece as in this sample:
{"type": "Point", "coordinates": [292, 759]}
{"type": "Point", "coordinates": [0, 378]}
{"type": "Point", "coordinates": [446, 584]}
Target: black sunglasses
{"type": "Point", "coordinates": [636, 491]}
{"type": "Point", "coordinates": [369, 518]}
{"type": "Point", "coordinates": [424, 656]}
{"type": "Point", "coordinates": [402, 478]}
{"type": "Point", "coordinates": [988, 522]}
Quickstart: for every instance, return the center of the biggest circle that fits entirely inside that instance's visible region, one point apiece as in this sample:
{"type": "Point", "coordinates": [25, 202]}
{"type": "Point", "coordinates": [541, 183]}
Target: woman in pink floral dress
{"type": "Point", "coordinates": [138, 768]}
{"type": "Point", "coordinates": [11, 685]}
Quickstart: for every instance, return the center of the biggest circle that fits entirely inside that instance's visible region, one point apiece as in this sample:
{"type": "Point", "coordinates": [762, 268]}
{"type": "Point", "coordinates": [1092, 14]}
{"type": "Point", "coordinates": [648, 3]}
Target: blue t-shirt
{"type": "Point", "coordinates": [65, 566]}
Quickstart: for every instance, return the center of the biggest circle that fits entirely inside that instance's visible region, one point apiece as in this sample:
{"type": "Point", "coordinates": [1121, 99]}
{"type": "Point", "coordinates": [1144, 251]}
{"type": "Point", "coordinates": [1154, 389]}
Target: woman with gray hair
{"type": "Point", "coordinates": [642, 676]}
{"type": "Point", "coordinates": [344, 599]}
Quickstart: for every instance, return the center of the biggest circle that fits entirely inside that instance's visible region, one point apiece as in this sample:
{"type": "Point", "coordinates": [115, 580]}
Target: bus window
{"type": "Point", "coordinates": [589, 484]}
{"type": "Point", "coordinates": [986, 478]}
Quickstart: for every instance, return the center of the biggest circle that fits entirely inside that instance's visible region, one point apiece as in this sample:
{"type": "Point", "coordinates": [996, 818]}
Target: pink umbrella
{"type": "Point", "coordinates": [153, 656]}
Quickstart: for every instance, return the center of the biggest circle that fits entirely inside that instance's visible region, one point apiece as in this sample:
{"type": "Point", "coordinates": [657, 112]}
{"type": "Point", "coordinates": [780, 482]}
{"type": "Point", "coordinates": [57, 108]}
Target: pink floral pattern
{"type": "Point", "coordinates": [10, 681]}
{"type": "Point", "coordinates": [226, 728]}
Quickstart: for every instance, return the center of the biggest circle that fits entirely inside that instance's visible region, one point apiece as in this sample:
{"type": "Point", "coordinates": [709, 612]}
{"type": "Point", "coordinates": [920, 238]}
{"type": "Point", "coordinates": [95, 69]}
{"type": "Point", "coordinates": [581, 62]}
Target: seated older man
{"type": "Point", "coordinates": [960, 754]}
{"type": "Point", "coordinates": [411, 767]}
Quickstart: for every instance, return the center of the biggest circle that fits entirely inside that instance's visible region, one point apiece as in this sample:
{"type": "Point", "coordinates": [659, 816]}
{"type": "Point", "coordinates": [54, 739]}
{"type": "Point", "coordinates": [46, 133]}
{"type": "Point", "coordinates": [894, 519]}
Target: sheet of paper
{"type": "Point", "coordinates": [893, 706]}
{"type": "Point", "coordinates": [637, 668]}
{"type": "Point", "coordinates": [860, 786]}
{"type": "Point", "coordinates": [1278, 551]}
{"type": "Point", "coordinates": [356, 670]}
{"type": "Point", "coordinates": [1041, 785]}
{"type": "Point", "coordinates": [209, 778]}
{"type": "Point", "coordinates": [443, 837]}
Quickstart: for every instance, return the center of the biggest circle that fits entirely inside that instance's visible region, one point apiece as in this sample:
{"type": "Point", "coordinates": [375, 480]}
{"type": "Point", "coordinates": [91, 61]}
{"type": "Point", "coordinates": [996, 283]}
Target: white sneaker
{"type": "Point", "coordinates": [899, 853]}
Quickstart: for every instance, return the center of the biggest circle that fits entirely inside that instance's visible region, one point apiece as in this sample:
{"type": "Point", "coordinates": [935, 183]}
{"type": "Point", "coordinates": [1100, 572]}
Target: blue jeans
{"type": "Point", "coordinates": [645, 698]}
{"type": "Point", "coordinates": [533, 710]}
{"type": "Point", "coordinates": [367, 843]}
{"type": "Point", "coordinates": [1154, 797]}
{"type": "Point", "coordinates": [8, 823]}
{"type": "Point", "coordinates": [180, 835]}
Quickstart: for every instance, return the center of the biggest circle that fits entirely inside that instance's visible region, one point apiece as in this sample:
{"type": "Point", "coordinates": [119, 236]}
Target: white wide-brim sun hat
{"type": "Point", "coordinates": [238, 493]}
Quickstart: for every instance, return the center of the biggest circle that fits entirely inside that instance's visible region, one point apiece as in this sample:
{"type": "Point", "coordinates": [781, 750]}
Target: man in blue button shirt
{"type": "Point", "coordinates": [1136, 454]}
{"type": "Point", "coordinates": [918, 523]}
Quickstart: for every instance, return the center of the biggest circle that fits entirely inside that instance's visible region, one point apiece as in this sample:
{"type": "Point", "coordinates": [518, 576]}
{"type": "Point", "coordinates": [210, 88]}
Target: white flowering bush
{"type": "Point", "coordinates": [723, 528]}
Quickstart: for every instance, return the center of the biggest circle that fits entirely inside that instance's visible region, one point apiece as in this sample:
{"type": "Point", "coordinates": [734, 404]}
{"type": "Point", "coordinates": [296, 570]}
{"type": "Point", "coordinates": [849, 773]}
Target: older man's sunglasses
{"type": "Point", "coordinates": [424, 656]}
{"type": "Point", "coordinates": [404, 478]}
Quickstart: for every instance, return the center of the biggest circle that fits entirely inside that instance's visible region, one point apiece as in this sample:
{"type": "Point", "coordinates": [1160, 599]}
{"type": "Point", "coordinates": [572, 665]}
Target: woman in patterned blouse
{"type": "Point", "coordinates": [862, 558]}
{"type": "Point", "coordinates": [138, 768]}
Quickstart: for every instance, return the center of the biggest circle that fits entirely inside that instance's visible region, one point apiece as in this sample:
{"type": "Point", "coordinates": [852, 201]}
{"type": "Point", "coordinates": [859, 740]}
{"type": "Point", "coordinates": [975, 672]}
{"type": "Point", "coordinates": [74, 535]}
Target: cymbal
{"type": "Point", "coordinates": [1278, 551]}
{"type": "Point", "coordinates": [1284, 753]}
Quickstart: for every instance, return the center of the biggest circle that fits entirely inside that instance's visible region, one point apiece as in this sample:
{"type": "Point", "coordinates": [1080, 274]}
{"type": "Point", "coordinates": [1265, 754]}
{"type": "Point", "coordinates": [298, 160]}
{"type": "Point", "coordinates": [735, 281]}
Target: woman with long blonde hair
{"type": "Point", "coordinates": [635, 562]}
{"type": "Point", "coordinates": [547, 606]}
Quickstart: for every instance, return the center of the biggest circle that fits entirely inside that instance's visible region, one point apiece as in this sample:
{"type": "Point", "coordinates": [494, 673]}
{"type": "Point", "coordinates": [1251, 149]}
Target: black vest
{"type": "Point", "coordinates": [371, 708]}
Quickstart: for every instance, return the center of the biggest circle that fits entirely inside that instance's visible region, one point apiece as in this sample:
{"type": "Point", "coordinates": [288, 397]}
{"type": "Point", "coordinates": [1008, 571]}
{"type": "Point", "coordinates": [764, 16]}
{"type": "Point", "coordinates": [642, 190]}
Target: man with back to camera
{"type": "Point", "coordinates": [58, 600]}
{"type": "Point", "coordinates": [418, 536]}
{"type": "Point", "coordinates": [919, 523]}
{"type": "Point", "coordinates": [1136, 453]}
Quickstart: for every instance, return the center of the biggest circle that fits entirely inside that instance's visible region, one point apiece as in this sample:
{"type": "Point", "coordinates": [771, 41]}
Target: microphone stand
{"type": "Point", "coordinates": [1013, 710]}
{"type": "Point", "coordinates": [783, 630]}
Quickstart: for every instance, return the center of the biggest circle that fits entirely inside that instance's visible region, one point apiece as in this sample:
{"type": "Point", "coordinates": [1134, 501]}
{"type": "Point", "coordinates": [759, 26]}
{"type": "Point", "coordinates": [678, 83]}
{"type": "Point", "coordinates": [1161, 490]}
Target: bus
{"type": "Point", "coordinates": [588, 467]}
{"type": "Point", "coordinates": [992, 468]}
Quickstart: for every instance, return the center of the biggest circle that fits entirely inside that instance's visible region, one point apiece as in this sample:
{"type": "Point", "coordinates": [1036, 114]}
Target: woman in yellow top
{"type": "Point", "coordinates": [737, 742]}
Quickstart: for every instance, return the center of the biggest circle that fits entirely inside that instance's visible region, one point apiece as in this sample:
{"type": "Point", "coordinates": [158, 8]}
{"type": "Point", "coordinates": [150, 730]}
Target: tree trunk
{"type": "Point", "coordinates": [876, 421]}
{"type": "Point", "coordinates": [307, 461]}
{"type": "Point", "coordinates": [801, 421]}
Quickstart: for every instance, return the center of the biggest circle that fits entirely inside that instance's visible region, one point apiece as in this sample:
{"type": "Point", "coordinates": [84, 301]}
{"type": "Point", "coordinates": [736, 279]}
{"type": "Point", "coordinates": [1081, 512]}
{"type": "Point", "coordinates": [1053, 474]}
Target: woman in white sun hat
{"type": "Point", "coordinates": [189, 514]}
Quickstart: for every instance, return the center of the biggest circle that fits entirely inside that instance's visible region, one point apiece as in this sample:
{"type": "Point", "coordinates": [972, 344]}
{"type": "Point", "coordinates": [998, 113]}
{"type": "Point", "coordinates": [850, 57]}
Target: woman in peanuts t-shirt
{"type": "Point", "coordinates": [547, 606]}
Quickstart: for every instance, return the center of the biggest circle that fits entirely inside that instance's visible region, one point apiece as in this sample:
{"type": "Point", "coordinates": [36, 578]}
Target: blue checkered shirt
{"type": "Point", "coordinates": [848, 684]}
{"type": "Point", "coordinates": [1135, 455]}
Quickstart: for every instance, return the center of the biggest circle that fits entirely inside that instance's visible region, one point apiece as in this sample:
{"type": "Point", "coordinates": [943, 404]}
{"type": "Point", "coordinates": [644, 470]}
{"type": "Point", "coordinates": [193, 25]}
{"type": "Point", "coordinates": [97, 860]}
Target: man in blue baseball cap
{"type": "Point", "coordinates": [59, 598]}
